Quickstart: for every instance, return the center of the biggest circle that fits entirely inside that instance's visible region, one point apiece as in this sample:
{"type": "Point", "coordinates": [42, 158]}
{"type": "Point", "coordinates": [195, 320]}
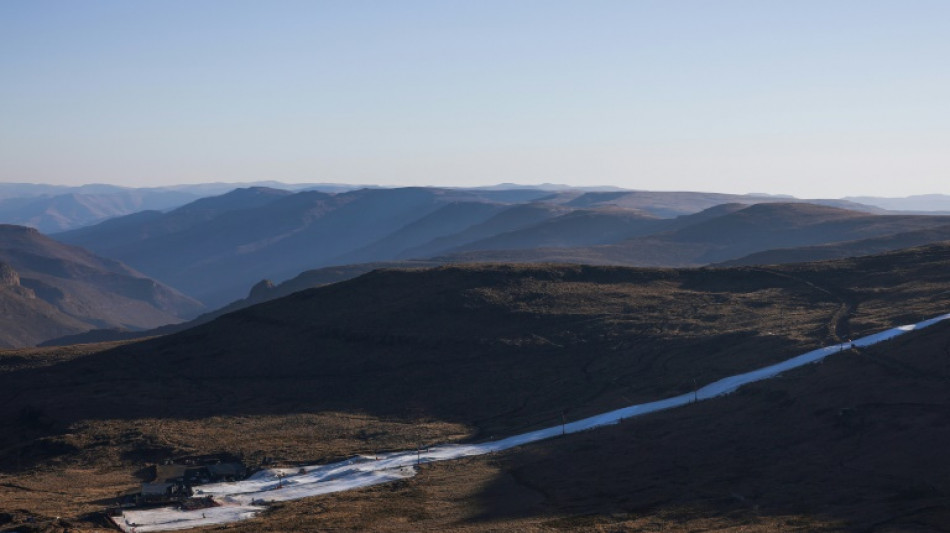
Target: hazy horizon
{"type": "Point", "coordinates": [591, 186]}
{"type": "Point", "coordinates": [810, 99]}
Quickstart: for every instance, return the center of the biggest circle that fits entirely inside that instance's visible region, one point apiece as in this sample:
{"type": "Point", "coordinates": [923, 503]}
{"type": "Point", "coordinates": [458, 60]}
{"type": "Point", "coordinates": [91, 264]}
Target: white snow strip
{"type": "Point", "coordinates": [170, 519]}
{"type": "Point", "coordinates": [244, 499]}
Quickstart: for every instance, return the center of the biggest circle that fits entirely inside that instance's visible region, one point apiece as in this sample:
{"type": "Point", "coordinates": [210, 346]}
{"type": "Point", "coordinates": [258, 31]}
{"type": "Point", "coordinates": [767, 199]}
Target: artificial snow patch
{"type": "Point", "coordinates": [170, 518]}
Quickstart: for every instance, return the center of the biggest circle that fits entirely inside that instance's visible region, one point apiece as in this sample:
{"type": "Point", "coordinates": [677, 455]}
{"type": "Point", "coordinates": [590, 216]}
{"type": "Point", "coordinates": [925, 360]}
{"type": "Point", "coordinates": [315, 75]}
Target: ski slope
{"type": "Point", "coordinates": [244, 499]}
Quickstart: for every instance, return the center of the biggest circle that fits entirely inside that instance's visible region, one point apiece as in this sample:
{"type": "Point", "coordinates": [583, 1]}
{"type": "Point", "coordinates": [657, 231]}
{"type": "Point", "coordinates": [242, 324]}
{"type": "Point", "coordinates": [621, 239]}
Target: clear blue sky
{"type": "Point", "coordinates": [811, 98]}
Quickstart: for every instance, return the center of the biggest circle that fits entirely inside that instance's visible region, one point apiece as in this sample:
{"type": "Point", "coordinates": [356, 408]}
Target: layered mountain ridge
{"type": "Point", "coordinates": [216, 248]}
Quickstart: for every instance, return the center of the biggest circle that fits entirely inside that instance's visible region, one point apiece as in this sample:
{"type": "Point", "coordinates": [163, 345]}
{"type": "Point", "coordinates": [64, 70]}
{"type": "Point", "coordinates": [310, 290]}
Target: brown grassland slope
{"type": "Point", "coordinates": [394, 359]}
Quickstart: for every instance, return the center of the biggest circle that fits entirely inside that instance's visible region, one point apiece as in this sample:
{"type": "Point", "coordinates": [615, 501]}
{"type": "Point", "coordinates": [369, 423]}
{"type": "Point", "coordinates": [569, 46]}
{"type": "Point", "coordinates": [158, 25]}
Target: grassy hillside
{"type": "Point", "coordinates": [394, 359]}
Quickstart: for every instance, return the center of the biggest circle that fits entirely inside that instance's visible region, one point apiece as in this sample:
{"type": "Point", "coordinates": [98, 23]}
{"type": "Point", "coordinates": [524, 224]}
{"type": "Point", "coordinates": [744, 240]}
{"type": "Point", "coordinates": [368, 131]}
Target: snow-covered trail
{"type": "Point", "coordinates": [243, 499]}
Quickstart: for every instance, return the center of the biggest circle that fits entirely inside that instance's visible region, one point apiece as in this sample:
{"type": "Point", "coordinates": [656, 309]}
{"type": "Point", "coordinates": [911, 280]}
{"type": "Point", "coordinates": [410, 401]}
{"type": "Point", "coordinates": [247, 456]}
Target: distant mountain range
{"type": "Point", "coordinates": [53, 208]}
{"type": "Point", "coordinates": [935, 203]}
{"type": "Point", "coordinates": [216, 248]}
{"type": "Point", "coordinates": [66, 211]}
{"type": "Point", "coordinates": [675, 203]}
{"type": "Point", "coordinates": [732, 231]}
{"type": "Point", "coordinates": [30, 190]}
{"type": "Point", "coordinates": [840, 250]}
{"type": "Point", "coordinates": [49, 289]}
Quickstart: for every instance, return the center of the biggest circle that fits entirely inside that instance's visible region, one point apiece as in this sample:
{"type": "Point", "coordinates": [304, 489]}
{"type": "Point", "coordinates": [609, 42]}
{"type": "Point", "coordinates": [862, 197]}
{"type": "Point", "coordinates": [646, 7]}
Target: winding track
{"type": "Point", "coordinates": [839, 327]}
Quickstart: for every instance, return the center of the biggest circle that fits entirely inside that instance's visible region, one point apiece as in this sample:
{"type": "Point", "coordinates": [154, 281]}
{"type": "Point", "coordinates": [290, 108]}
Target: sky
{"type": "Point", "coordinates": [811, 98]}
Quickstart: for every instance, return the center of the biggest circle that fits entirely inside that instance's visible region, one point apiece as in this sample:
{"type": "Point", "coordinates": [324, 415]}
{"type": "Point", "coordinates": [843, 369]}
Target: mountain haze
{"type": "Point", "coordinates": [216, 254]}
{"type": "Point", "coordinates": [922, 202]}
{"type": "Point", "coordinates": [729, 232]}
{"type": "Point", "coordinates": [581, 227]}
{"type": "Point", "coordinates": [669, 204]}
{"type": "Point", "coordinates": [447, 220]}
{"type": "Point", "coordinates": [67, 211]}
{"type": "Point", "coordinates": [215, 249]}
{"type": "Point", "coordinates": [63, 289]}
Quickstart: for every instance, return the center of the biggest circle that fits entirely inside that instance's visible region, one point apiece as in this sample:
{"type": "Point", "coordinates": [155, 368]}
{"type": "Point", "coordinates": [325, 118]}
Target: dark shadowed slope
{"type": "Point", "coordinates": [91, 291]}
{"type": "Point", "coordinates": [263, 291]}
{"type": "Point", "coordinates": [464, 341]}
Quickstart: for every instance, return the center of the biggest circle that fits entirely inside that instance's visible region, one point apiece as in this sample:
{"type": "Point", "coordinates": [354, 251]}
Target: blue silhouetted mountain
{"type": "Point", "coordinates": [921, 203]}
{"type": "Point", "coordinates": [216, 248]}
{"type": "Point", "coordinates": [668, 204]}
{"type": "Point", "coordinates": [51, 213]}
{"type": "Point", "coordinates": [704, 238]}
{"type": "Point", "coordinates": [444, 221]}
{"type": "Point", "coordinates": [583, 227]}
{"type": "Point", "coordinates": [510, 219]}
